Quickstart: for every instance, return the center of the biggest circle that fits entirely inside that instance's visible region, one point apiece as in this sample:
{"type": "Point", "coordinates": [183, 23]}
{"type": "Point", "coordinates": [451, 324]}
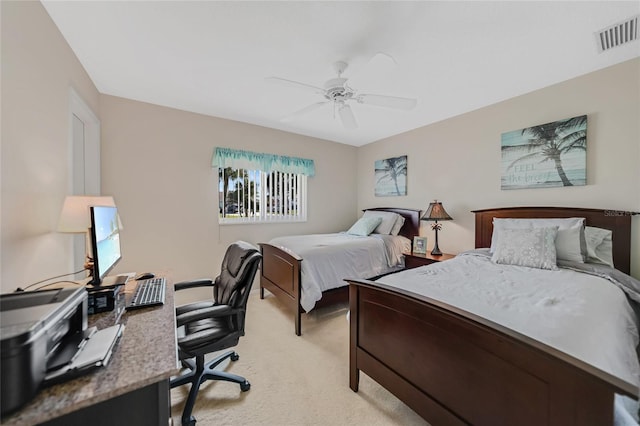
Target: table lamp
{"type": "Point", "coordinates": [436, 212]}
{"type": "Point", "coordinates": [75, 217]}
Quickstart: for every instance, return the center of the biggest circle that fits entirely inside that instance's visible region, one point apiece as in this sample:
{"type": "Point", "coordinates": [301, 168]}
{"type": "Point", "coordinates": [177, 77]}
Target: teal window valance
{"type": "Point", "coordinates": [240, 159]}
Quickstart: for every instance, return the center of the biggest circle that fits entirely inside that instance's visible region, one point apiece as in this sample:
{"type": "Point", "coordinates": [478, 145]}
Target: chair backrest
{"type": "Point", "coordinates": [238, 271]}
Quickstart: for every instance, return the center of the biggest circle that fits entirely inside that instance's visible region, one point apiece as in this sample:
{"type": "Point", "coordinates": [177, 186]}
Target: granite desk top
{"type": "Point", "coordinates": [145, 354]}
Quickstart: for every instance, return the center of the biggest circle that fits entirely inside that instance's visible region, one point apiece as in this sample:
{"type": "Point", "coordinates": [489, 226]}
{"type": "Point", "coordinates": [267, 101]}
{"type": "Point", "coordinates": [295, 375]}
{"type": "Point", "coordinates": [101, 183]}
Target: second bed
{"type": "Point", "coordinates": [308, 271]}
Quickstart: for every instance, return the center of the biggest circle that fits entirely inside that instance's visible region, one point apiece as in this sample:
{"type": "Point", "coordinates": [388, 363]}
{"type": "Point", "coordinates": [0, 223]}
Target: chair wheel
{"type": "Point", "coordinates": [235, 357]}
{"type": "Point", "coordinates": [245, 386]}
{"type": "Point", "coordinates": [191, 422]}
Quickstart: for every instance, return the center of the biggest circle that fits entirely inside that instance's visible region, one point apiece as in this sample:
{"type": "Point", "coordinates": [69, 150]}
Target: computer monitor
{"type": "Point", "coordinates": [105, 242]}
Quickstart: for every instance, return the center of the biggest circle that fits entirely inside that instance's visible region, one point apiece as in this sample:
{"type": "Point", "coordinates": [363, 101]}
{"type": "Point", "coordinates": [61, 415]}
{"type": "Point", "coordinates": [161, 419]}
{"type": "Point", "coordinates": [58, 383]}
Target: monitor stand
{"type": "Point", "coordinates": [111, 281]}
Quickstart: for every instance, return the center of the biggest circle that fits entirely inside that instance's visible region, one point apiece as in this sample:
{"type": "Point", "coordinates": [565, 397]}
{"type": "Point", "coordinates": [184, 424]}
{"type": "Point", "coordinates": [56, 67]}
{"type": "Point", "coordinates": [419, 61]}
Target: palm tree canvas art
{"type": "Point", "coordinates": [391, 176]}
{"type": "Point", "coordinates": [547, 155]}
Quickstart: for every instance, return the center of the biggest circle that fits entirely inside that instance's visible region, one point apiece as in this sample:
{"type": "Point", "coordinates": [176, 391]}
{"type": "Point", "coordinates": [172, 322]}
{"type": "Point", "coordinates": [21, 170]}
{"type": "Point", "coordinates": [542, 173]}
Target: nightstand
{"type": "Point", "coordinates": [413, 260]}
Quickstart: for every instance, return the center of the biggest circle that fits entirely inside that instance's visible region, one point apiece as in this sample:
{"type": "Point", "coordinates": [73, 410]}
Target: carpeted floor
{"type": "Point", "coordinates": [294, 380]}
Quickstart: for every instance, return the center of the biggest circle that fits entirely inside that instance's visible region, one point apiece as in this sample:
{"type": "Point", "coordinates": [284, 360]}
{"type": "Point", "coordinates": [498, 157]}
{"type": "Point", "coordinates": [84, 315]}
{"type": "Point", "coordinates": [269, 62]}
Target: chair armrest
{"type": "Point", "coordinates": [204, 282]}
{"type": "Point", "coordinates": [204, 313]}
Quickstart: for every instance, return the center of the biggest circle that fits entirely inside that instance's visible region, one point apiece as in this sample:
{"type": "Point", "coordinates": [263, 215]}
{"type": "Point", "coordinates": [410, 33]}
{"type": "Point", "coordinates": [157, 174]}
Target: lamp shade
{"type": "Point", "coordinates": [75, 212]}
{"type": "Point", "coordinates": [436, 212]}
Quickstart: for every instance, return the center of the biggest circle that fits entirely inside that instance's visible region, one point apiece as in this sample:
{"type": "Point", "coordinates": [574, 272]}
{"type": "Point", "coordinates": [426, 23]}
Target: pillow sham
{"type": "Point", "coordinates": [570, 241]}
{"type": "Point", "coordinates": [398, 225]}
{"type": "Point", "coordinates": [599, 245]}
{"type": "Point", "coordinates": [531, 247]}
{"type": "Point", "coordinates": [388, 220]}
{"type": "Point", "coordinates": [364, 226]}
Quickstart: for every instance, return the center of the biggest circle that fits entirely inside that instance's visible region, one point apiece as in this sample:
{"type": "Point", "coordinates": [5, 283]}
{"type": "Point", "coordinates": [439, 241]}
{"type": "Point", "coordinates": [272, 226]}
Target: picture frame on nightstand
{"type": "Point", "coordinates": [419, 245]}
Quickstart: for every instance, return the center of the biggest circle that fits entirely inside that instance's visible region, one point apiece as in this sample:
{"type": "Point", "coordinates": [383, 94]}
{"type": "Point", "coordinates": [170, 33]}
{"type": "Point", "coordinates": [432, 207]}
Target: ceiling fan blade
{"type": "Point", "coordinates": [388, 101]}
{"type": "Point", "coordinates": [377, 68]}
{"type": "Point", "coordinates": [347, 117]}
{"type": "Point", "coordinates": [291, 83]}
{"type": "Point", "coordinates": [382, 62]}
{"type": "Point", "coordinates": [303, 111]}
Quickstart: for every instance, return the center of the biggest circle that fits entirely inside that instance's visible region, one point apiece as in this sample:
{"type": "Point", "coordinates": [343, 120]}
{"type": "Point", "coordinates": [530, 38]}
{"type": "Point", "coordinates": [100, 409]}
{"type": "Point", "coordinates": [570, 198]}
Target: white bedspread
{"type": "Point", "coordinates": [583, 315]}
{"type": "Point", "coordinates": [330, 258]}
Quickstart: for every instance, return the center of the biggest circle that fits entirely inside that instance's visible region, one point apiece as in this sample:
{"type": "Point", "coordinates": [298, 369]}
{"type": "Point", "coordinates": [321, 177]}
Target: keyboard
{"type": "Point", "coordinates": [148, 292]}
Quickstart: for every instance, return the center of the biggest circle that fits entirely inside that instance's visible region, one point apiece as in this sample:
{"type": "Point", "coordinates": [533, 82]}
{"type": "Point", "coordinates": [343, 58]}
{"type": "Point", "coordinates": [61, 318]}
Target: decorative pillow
{"type": "Point", "coordinates": [570, 242]}
{"type": "Point", "coordinates": [398, 225]}
{"type": "Point", "coordinates": [533, 247]}
{"type": "Point", "coordinates": [599, 245]}
{"type": "Point", "coordinates": [364, 226]}
{"type": "Point", "coordinates": [387, 222]}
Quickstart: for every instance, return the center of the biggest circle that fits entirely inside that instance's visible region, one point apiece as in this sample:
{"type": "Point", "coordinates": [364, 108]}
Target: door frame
{"type": "Point", "coordinates": [88, 165]}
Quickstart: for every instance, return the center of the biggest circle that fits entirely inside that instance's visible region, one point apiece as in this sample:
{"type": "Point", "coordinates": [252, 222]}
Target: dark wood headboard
{"type": "Point", "coordinates": [411, 225]}
{"type": "Point", "coordinates": [616, 220]}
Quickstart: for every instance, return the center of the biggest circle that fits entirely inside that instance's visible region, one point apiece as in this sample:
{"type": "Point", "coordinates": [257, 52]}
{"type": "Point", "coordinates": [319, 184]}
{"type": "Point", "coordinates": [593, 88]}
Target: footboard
{"type": "Point", "coordinates": [280, 274]}
{"type": "Point", "coordinates": [453, 367]}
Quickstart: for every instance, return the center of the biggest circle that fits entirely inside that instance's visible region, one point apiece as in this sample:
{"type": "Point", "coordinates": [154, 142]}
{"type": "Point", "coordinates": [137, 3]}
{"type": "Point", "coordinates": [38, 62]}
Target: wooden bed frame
{"type": "Point", "coordinates": [280, 272]}
{"type": "Point", "coordinates": [453, 367]}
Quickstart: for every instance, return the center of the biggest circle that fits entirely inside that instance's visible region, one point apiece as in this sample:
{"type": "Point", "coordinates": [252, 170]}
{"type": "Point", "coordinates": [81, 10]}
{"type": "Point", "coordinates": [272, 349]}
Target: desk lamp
{"type": "Point", "coordinates": [436, 212]}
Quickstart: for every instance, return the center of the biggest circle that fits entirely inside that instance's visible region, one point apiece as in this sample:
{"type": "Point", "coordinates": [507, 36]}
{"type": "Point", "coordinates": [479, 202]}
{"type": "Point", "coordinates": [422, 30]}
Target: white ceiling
{"type": "Point", "coordinates": [212, 57]}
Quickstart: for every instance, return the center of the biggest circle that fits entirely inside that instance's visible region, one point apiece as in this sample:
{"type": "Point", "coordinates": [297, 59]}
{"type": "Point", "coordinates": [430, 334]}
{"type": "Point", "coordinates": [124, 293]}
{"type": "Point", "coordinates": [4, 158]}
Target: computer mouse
{"type": "Point", "coordinates": [144, 276]}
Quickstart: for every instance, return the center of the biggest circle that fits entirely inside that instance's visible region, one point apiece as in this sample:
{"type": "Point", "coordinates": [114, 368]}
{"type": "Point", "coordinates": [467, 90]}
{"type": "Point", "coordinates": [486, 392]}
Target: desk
{"type": "Point", "coordinates": [132, 389]}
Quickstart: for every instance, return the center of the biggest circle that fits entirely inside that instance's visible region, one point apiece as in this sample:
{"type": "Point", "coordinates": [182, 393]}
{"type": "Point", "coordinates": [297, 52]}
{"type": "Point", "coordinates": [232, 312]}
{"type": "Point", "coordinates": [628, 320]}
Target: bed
{"type": "Point", "coordinates": [453, 366]}
{"type": "Point", "coordinates": [282, 275]}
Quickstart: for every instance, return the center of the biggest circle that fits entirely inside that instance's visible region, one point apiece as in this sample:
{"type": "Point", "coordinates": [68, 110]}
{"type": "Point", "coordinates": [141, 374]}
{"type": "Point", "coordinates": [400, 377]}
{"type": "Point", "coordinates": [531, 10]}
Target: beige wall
{"type": "Point", "coordinates": [38, 71]}
{"type": "Point", "coordinates": [457, 161]}
{"type": "Point", "coordinates": [156, 162]}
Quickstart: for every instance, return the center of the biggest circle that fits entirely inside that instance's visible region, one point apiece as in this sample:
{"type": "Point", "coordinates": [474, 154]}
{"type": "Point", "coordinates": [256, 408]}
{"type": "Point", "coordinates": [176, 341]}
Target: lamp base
{"type": "Point", "coordinates": [436, 250]}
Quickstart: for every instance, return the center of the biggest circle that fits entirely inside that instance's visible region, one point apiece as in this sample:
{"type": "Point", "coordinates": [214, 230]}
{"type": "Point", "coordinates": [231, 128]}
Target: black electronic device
{"type": "Point", "coordinates": [36, 325]}
{"type": "Point", "coordinates": [105, 244]}
{"type": "Point", "coordinates": [105, 299]}
{"type": "Point", "coordinates": [144, 276]}
{"type": "Point", "coordinates": [148, 293]}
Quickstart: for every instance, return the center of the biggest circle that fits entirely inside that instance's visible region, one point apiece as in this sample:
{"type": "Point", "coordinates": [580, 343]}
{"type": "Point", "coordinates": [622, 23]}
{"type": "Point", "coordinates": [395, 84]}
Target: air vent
{"type": "Point", "coordinates": [618, 34]}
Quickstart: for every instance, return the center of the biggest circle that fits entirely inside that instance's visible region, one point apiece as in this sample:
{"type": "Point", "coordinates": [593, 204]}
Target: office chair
{"type": "Point", "coordinates": [210, 326]}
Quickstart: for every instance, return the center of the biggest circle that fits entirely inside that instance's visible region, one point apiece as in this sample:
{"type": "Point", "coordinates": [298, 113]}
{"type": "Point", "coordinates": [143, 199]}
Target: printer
{"type": "Point", "coordinates": [36, 328]}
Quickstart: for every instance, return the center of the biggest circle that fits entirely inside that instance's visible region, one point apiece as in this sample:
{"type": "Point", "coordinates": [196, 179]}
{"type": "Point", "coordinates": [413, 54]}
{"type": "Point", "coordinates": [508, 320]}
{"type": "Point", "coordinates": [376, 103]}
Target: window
{"type": "Point", "coordinates": [258, 188]}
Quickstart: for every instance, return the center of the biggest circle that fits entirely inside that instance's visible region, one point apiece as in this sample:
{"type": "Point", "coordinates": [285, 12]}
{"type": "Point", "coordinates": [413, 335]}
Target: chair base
{"type": "Point", "coordinates": [200, 372]}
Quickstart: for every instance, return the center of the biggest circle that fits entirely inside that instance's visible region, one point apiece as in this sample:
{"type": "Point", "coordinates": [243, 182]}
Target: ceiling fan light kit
{"type": "Point", "coordinates": [336, 91]}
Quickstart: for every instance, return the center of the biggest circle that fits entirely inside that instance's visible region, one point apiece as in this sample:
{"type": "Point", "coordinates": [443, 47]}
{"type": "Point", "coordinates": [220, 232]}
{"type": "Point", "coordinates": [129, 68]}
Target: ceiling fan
{"type": "Point", "coordinates": [338, 93]}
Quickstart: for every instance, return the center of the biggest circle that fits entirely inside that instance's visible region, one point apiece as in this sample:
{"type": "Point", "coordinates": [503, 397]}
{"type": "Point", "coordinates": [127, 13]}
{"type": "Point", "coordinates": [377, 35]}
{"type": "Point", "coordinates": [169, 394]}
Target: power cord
{"type": "Point", "coordinates": [19, 289]}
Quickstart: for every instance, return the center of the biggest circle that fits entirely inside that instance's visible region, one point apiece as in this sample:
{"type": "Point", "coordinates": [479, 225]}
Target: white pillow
{"type": "Point", "coordinates": [570, 242]}
{"type": "Point", "coordinates": [532, 247]}
{"type": "Point", "coordinates": [388, 220]}
{"type": "Point", "coordinates": [398, 225]}
{"type": "Point", "coordinates": [364, 226]}
{"type": "Point", "coordinates": [599, 245]}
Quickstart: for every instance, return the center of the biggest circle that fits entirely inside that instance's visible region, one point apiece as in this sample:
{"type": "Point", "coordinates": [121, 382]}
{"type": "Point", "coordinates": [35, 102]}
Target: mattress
{"type": "Point", "coordinates": [330, 258]}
